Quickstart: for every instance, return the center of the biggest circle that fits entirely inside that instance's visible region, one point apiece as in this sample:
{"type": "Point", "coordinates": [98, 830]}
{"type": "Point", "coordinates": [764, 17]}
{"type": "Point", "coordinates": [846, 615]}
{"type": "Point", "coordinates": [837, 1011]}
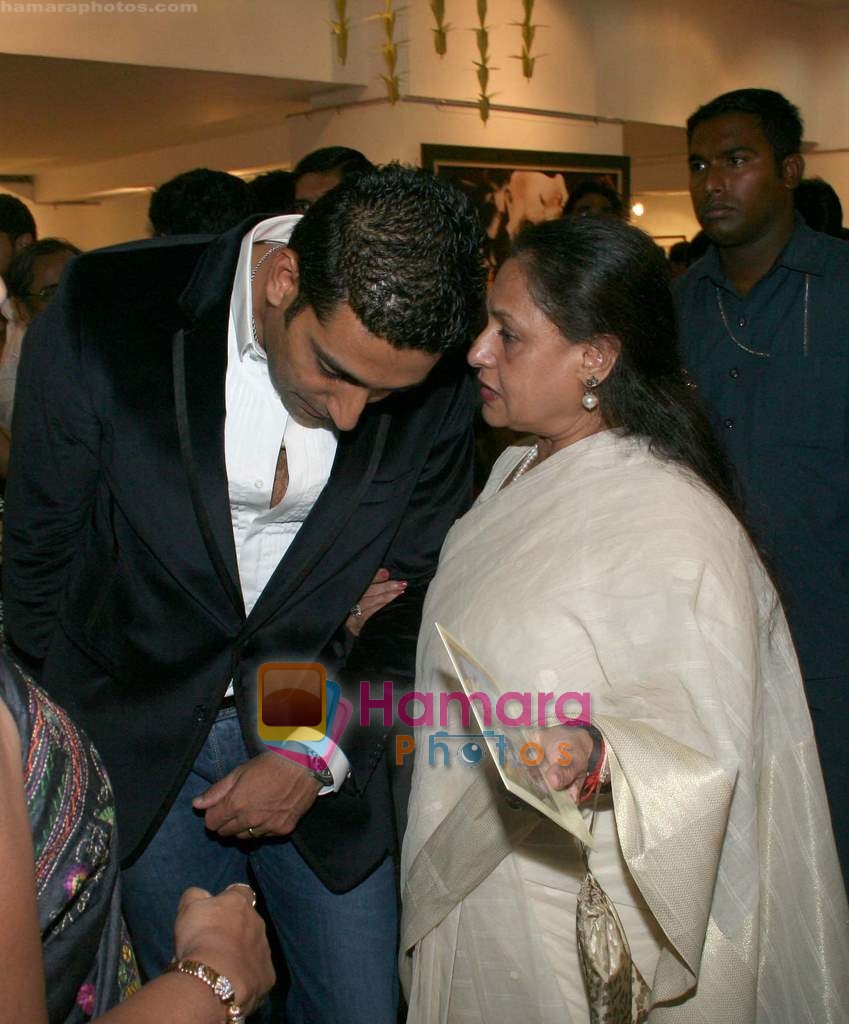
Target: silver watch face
{"type": "Point", "coordinates": [325, 776]}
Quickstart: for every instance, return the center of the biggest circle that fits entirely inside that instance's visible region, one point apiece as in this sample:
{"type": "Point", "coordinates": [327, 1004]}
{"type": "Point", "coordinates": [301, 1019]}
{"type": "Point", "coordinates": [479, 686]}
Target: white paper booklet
{"type": "Point", "coordinates": [525, 781]}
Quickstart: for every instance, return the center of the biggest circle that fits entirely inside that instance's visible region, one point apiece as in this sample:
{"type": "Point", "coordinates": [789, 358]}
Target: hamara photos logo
{"type": "Point", "coordinates": [302, 715]}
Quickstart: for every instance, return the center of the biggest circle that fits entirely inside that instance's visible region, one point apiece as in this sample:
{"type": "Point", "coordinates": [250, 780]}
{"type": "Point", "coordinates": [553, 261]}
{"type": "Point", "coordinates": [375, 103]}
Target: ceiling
{"type": "Point", "coordinates": [65, 112]}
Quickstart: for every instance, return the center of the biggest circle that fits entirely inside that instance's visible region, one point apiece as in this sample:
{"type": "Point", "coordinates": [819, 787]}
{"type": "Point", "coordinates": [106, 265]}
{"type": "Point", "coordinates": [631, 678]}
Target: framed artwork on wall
{"type": "Point", "coordinates": [511, 187]}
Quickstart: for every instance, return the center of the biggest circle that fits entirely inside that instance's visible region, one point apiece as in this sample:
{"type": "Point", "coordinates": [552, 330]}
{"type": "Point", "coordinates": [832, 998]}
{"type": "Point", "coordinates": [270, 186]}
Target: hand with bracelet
{"type": "Point", "coordinates": [223, 962]}
{"type": "Point", "coordinates": [220, 941]}
{"type": "Point", "coordinates": [583, 750]}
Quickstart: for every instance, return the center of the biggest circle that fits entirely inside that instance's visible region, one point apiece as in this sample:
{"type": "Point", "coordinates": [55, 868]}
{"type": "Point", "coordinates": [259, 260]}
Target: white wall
{"type": "Point", "coordinates": [645, 60]}
{"type": "Point", "coordinates": [667, 218]}
{"type": "Point", "coordinates": [107, 222]}
{"type": "Point", "coordinates": [269, 147]}
{"type": "Point", "coordinates": [396, 133]}
{"type": "Point", "coordinates": [657, 61]}
{"type": "Point", "coordinates": [281, 38]}
{"type": "Point", "coordinates": [565, 75]}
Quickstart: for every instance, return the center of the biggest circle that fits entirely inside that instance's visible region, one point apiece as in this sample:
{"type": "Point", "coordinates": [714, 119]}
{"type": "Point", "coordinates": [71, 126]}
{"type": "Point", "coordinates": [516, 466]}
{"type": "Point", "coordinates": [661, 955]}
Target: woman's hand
{"type": "Point", "coordinates": [377, 595]}
{"type": "Point", "coordinates": [567, 752]}
{"type": "Point", "coordinates": [228, 935]}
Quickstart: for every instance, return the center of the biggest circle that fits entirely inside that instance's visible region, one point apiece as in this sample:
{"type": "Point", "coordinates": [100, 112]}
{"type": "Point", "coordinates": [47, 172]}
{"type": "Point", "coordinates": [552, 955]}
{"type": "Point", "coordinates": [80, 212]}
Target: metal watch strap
{"type": "Point", "coordinates": [316, 766]}
{"type": "Point", "coordinates": [220, 985]}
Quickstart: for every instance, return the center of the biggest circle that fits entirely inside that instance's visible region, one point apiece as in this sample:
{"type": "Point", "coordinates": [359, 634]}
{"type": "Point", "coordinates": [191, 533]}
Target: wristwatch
{"type": "Point", "coordinates": [220, 985]}
{"type": "Point", "coordinates": [316, 766]}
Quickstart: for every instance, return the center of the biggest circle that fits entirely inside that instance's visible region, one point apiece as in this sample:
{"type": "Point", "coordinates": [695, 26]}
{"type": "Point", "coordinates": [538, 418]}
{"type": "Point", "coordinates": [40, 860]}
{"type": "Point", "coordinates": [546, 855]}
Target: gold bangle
{"type": "Point", "coordinates": [220, 985]}
{"type": "Point", "coordinates": [604, 774]}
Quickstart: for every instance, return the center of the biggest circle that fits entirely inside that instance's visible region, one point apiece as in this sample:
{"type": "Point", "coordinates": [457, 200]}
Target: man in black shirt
{"type": "Point", "coordinates": [763, 320]}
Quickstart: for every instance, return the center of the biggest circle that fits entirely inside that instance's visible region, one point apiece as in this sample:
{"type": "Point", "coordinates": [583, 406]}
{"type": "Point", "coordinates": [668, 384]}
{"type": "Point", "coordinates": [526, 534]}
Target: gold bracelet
{"type": "Point", "coordinates": [220, 985]}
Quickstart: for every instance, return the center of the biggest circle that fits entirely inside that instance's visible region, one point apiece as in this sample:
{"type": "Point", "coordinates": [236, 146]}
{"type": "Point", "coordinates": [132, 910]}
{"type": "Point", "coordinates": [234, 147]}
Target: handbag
{"type": "Point", "coordinates": [616, 991]}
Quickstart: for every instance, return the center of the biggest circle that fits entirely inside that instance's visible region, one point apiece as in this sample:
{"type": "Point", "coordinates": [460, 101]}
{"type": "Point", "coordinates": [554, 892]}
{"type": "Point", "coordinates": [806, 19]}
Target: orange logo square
{"type": "Point", "coordinates": [292, 701]}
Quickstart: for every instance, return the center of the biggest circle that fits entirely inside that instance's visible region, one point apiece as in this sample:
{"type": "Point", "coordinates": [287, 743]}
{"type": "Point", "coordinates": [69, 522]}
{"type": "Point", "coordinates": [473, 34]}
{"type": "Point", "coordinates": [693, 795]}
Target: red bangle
{"type": "Point", "coordinates": [596, 778]}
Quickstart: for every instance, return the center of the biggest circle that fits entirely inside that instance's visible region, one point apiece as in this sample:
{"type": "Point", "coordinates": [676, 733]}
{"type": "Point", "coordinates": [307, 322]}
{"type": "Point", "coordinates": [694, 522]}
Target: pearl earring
{"type": "Point", "coordinates": [590, 401]}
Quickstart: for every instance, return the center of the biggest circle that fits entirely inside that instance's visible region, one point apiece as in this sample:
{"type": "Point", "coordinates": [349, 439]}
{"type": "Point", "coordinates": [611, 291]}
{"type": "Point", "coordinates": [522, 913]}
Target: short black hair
{"type": "Point", "coordinates": [22, 268]}
{"type": "Point", "coordinates": [199, 202]}
{"type": "Point", "coordinates": [820, 205]}
{"type": "Point", "coordinates": [15, 217]}
{"type": "Point", "coordinates": [595, 276]}
{"type": "Point", "coordinates": [403, 249]}
{"type": "Point", "coordinates": [778, 118]}
{"type": "Point", "coordinates": [598, 188]}
{"type": "Point", "coordinates": [699, 245]}
{"type": "Point", "coordinates": [333, 158]}
{"type": "Point", "coordinates": [680, 253]}
{"type": "Point", "coordinates": [273, 193]}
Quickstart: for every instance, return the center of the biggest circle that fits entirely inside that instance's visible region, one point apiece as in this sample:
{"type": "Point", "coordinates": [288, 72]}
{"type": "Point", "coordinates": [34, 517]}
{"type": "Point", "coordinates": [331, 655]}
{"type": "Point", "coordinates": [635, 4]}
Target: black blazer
{"type": "Point", "coordinates": [120, 575]}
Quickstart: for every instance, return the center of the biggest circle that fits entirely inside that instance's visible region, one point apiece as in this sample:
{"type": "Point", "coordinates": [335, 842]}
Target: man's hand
{"type": "Point", "coordinates": [570, 744]}
{"type": "Point", "coordinates": [266, 796]}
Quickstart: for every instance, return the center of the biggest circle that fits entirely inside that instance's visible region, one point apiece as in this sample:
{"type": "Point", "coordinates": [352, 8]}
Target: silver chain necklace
{"type": "Point", "coordinates": [269, 252]}
{"type": "Point", "coordinates": [754, 351]}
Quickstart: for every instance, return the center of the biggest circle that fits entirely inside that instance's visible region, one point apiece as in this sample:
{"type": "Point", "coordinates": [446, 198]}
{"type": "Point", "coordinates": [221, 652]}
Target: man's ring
{"type": "Point", "coordinates": [244, 885]}
{"type": "Point", "coordinates": [357, 611]}
{"type": "Point", "coordinates": [252, 834]}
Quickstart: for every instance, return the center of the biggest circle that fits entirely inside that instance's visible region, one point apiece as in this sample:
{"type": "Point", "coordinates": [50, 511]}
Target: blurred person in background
{"type": "Point", "coordinates": [199, 202]}
{"type": "Point", "coordinates": [679, 259]}
{"type": "Point", "coordinates": [17, 231]}
{"type": "Point", "coordinates": [322, 170]}
{"type": "Point", "coordinates": [32, 280]}
{"type": "Point", "coordinates": [820, 205]}
{"type": "Point", "coordinates": [595, 199]}
{"type": "Point", "coordinates": [273, 193]}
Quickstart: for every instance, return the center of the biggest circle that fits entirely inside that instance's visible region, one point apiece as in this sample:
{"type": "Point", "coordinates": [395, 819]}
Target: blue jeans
{"type": "Point", "coordinates": [340, 949]}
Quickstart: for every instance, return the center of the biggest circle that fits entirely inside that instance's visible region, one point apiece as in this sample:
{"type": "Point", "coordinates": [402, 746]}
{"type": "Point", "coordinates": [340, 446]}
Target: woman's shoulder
{"type": "Point", "coordinates": [666, 505]}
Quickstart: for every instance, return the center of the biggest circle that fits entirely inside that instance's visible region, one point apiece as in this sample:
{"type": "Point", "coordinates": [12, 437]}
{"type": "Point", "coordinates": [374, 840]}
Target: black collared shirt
{"type": "Point", "coordinates": [783, 418]}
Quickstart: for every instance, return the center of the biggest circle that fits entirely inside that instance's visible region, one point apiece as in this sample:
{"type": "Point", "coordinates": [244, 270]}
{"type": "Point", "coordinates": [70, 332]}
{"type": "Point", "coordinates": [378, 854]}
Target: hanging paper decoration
{"type": "Point", "coordinates": [528, 33]}
{"type": "Point", "coordinates": [440, 33]}
{"type": "Point", "coordinates": [389, 49]}
{"type": "Point", "coordinates": [340, 28]}
{"type": "Point", "coordinates": [482, 36]}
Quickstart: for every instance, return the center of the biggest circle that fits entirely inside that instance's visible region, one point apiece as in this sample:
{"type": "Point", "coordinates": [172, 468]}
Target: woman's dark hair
{"type": "Point", "coordinates": [595, 276]}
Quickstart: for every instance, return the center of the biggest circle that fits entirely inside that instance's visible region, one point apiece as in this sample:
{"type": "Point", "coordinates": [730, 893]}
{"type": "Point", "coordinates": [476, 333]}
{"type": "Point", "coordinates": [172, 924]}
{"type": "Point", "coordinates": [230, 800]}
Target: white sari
{"type": "Point", "coordinates": [606, 570]}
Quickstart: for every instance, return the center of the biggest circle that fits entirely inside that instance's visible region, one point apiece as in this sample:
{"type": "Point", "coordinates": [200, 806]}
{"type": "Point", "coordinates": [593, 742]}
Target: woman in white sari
{"type": "Point", "coordinates": [606, 558]}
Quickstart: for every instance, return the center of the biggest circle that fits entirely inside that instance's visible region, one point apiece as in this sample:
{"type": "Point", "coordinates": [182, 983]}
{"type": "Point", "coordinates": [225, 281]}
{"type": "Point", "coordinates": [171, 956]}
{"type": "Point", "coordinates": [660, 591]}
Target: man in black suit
{"type": "Point", "coordinates": [213, 457]}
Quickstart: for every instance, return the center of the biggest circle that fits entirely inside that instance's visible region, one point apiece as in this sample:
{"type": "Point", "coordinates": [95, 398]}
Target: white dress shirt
{"type": "Point", "coordinates": [256, 426]}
